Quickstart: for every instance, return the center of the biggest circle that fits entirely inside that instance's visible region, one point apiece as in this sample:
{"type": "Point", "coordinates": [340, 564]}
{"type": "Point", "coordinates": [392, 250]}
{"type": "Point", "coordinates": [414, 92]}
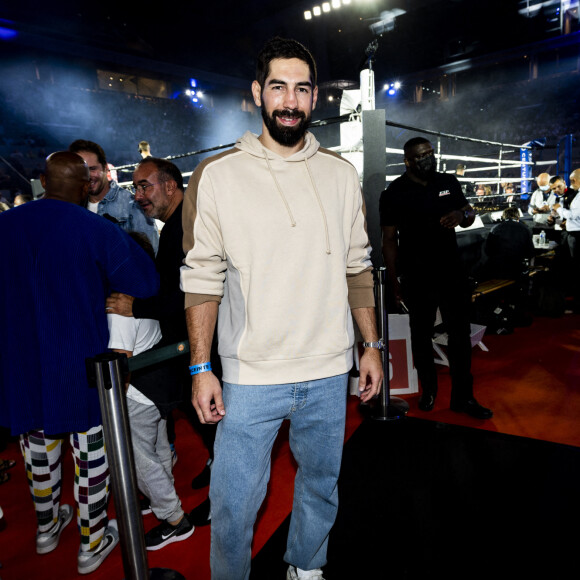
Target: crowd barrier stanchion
{"type": "Point", "coordinates": [106, 372]}
{"type": "Point", "coordinates": [389, 408]}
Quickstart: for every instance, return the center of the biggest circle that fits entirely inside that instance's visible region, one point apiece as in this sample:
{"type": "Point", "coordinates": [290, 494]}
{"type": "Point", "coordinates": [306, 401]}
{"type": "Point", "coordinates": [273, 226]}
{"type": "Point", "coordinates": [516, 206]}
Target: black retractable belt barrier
{"type": "Point", "coordinates": [106, 372]}
{"type": "Point", "coordinates": [389, 408]}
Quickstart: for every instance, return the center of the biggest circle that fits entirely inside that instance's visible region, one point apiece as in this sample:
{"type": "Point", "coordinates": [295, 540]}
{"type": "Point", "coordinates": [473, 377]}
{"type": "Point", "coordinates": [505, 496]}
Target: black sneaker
{"type": "Point", "coordinates": [145, 506]}
{"type": "Point", "coordinates": [164, 534]}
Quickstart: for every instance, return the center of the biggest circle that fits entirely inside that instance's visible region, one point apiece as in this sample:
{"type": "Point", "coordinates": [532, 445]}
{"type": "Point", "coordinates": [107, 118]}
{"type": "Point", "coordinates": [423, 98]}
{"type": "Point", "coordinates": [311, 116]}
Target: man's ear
{"type": "Point", "coordinates": [314, 97]}
{"type": "Point", "coordinates": [257, 93]}
{"type": "Point", "coordinates": [170, 187]}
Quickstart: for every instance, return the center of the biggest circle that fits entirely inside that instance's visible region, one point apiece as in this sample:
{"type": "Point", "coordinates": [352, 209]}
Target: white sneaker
{"type": "Point", "coordinates": [296, 574]}
{"type": "Point", "coordinates": [88, 562]}
{"type": "Point", "coordinates": [47, 541]}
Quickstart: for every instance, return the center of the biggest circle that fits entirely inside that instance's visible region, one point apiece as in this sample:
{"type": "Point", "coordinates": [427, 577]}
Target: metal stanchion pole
{"type": "Point", "coordinates": [106, 372]}
{"type": "Point", "coordinates": [389, 408]}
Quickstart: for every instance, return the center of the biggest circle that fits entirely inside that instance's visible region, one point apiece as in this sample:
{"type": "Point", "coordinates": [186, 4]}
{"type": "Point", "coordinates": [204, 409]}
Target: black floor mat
{"type": "Point", "coordinates": [421, 499]}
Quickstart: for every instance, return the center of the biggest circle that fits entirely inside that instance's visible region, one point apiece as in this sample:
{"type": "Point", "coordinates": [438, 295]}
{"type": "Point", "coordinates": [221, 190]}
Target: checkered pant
{"type": "Point", "coordinates": [42, 460]}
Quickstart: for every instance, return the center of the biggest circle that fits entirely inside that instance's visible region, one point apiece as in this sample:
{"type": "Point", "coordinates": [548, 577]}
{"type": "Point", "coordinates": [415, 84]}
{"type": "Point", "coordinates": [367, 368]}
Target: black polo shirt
{"type": "Point", "coordinates": [415, 210]}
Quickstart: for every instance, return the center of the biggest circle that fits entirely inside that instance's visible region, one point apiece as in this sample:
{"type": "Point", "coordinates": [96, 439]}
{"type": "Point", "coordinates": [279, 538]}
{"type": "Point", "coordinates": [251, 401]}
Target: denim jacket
{"type": "Point", "coordinates": [120, 204]}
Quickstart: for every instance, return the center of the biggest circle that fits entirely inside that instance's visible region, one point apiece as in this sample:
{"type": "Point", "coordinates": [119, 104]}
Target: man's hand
{"type": "Point", "coordinates": [452, 219]}
{"type": "Point", "coordinates": [371, 374]}
{"type": "Point", "coordinates": [206, 398]}
{"type": "Point", "coordinates": [118, 303]}
{"type": "Point", "coordinates": [556, 206]}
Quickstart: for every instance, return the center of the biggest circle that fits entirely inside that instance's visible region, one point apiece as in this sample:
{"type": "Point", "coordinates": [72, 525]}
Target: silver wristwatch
{"type": "Point", "coordinates": [380, 344]}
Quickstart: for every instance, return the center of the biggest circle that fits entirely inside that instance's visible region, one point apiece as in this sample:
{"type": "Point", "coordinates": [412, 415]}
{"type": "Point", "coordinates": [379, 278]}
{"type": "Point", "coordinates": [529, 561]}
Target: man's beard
{"type": "Point", "coordinates": [95, 188]}
{"type": "Point", "coordinates": [287, 136]}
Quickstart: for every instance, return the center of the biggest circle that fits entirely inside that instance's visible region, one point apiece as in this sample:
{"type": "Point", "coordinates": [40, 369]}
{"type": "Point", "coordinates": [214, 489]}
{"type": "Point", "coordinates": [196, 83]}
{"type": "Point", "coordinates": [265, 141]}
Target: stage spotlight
{"type": "Point", "coordinates": [397, 85]}
{"type": "Point", "coordinates": [307, 15]}
{"type": "Point", "coordinates": [316, 11]}
{"type": "Point", "coordinates": [325, 7]}
{"type": "Point", "coordinates": [391, 88]}
{"type": "Point", "coordinates": [335, 4]}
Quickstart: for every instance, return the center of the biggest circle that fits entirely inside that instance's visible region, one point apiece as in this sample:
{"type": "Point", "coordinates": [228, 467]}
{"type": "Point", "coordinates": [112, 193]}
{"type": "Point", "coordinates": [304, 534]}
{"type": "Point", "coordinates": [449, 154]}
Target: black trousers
{"type": "Point", "coordinates": [449, 293]}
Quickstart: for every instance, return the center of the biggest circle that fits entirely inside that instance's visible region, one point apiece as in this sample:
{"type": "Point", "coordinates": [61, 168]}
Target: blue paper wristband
{"type": "Point", "coordinates": [202, 368]}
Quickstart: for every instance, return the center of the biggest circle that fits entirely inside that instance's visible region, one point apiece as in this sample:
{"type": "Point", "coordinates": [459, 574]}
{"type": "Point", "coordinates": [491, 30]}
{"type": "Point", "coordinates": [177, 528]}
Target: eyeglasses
{"type": "Point", "coordinates": [142, 188]}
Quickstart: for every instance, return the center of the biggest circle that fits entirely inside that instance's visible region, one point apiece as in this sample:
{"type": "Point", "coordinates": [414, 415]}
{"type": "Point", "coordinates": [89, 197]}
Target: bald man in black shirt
{"type": "Point", "coordinates": [419, 212]}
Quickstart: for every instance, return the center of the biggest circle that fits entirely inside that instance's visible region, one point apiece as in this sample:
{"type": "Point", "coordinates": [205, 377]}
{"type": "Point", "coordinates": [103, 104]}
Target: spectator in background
{"type": "Point", "coordinates": [419, 212]}
{"type": "Point", "coordinates": [75, 258]}
{"type": "Point", "coordinates": [108, 199]}
{"type": "Point", "coordinates": [507, 246]}
{"type": "Point", "coordinates": [22, 198]}
{"type": "Point", "coordinates": [541, 203]}
{"type": "Point", "coordinates": [572, 217]}
{"type": "Point", "coordinates": [159, 191]}
{"type": "Point", "coordinates": [145, 149]}
{"type": "Point", "coordinates": [466, 186]}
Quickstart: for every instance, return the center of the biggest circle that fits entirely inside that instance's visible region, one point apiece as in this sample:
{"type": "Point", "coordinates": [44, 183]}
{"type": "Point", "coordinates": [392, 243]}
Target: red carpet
{"type": "Point", "coordinates": [531, 379]}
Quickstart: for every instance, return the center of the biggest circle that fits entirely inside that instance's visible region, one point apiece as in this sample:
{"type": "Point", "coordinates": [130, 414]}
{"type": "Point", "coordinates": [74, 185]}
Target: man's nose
{"type": "Point", "coordinates": [290, 100]}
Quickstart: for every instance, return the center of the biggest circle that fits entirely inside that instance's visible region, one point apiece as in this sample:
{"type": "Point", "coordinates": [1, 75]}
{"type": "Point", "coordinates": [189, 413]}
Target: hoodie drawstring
{"type": "Point", "coordinates": [283, 197]}
{"type": "Point", "coordinates": [324, 220]}
{"type": "Point", "coordinates": [280, 192]}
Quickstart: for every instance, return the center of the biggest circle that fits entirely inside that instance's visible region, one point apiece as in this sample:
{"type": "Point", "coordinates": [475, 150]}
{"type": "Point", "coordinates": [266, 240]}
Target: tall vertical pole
{"type": "Point", "coordinates": [107, 372]}
{"type": "Point", "coordinates": [389, 408]}
{"type": "Point", "coordinates": [109, 378]}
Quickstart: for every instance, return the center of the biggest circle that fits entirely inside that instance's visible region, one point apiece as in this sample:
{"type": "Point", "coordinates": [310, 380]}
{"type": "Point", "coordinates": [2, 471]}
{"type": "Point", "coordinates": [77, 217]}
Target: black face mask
{"type": "Point", "coordinates": [426, 166]}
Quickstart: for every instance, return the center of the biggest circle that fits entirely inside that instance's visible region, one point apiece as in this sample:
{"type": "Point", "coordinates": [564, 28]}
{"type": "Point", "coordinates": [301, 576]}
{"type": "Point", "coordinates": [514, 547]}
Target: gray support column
{"type": "Point", "coordinates": [375, 160]}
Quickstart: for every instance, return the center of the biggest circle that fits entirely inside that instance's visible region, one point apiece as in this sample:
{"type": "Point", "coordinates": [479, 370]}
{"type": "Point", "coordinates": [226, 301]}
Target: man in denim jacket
{"type": "Point", "coordinates": [107, 199]}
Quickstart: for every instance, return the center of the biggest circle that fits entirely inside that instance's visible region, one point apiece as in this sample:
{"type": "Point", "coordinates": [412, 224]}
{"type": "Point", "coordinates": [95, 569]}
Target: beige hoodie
{"type": "Point", "coordinates": [281, 243]}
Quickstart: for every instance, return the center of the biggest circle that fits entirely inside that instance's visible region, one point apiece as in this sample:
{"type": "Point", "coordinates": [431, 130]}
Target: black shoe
{"type": "Point", "coordinates": [202, 480]}
{"type": "Point", "coordinates": [201, 515]}
{"type": "Point", "coordinates": [427, 401]}
{"type": "Point", "coordinates": [473, 409]}
{"type": "Point", "coordinates": [145, 506]}
{"type": "Point", "coordinates": [164, 534]}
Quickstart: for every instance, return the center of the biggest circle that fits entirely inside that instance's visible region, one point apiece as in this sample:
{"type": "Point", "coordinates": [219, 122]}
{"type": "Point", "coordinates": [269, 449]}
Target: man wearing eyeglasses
{"type": "Point", "coordinates": [108, 199]}
{"type": "Point", "coordinates": [158, 186]}
{"type": "Point", "coordinates": [419, 212]}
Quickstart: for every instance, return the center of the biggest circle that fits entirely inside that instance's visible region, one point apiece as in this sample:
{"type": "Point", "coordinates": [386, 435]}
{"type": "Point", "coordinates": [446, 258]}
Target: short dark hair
{"type": "Point", "coordinates": [511, 213]}
{"type": "Point", "coordinates": [411, 143]}
{"type": "Point", "coordinates": [90, 146]}
{"type": "Point", "coordinates": [555, 178]}
{"type": "Point", "coordinates": [143, 145]}
{"type": "Point", "coordinates": [166, 169]}
{"type": "Point", "coordinates": [459, 167]}
{"type": "Point", "coordinates": [278, 47]}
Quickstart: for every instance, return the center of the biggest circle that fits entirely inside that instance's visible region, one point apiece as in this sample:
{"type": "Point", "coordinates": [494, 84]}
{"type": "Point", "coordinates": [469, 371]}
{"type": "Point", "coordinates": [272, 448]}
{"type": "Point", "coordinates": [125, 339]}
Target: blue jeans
{"type": "Point", "coordinates": [241, 469]}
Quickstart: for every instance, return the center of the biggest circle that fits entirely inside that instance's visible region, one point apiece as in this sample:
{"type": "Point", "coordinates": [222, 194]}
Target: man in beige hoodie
{"type": "Point", "coordinates": [275, 239]}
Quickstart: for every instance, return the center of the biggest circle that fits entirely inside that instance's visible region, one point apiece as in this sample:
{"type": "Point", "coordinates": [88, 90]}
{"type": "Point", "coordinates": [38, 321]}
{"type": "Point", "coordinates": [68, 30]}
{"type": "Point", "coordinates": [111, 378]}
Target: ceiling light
{"type": "Point", "coordinates": [307, 15]}
{"type": "Point", "coordinates": [335, 4]}
{"type": "Point", "coordinates": [326, 6]}
{"type": "Point", "coordinates": [316, 11]}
